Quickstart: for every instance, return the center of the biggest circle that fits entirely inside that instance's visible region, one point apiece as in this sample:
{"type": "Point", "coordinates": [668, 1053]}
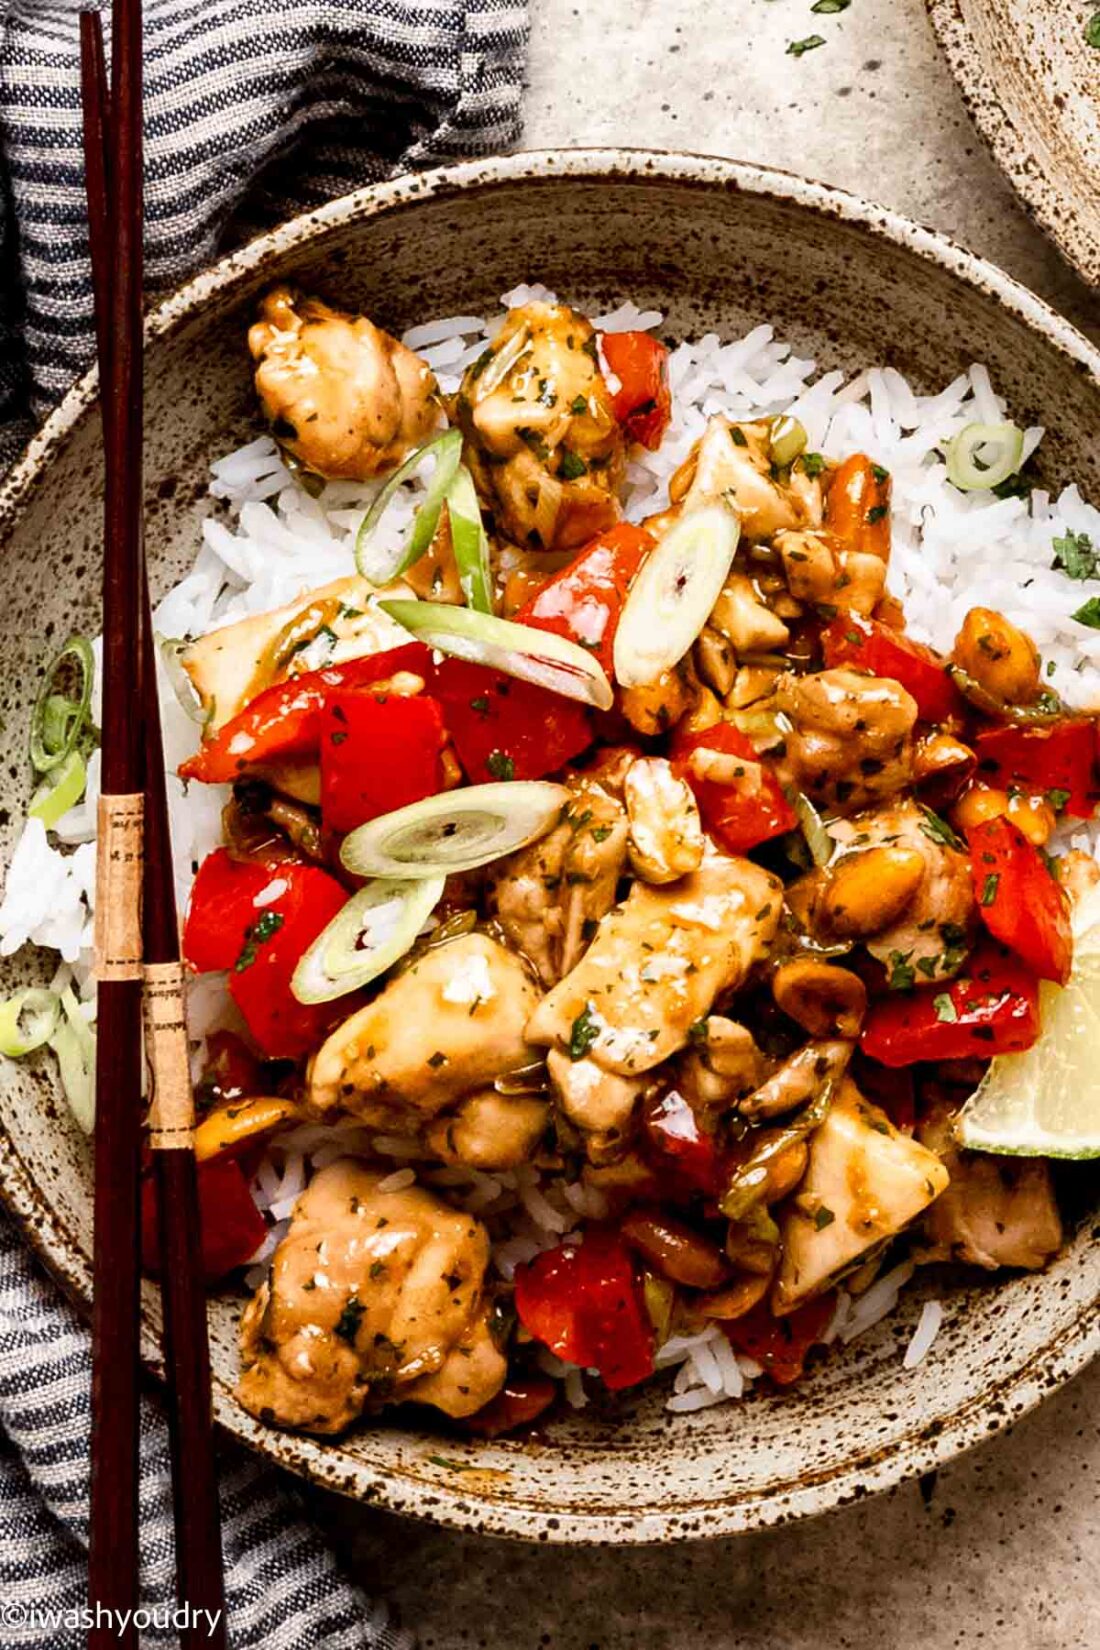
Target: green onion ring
{"type": "Point", "coordinates": [54, 730]}
{"type": "Point", "coordinates": [965, 471]}
{"type": "Point", "coordinates": [59, 791]}
{"type": "Point", "coordinates": [39, 1010]}
{"type": "Point", "coordinates": [469, 542]}
{"type": "Point", "coordinates": [382, 566]}
{"type": "Point", "coordinates": [788, 441]}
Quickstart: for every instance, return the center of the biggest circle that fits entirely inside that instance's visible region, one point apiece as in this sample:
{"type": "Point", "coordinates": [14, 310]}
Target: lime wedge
{"type": "Point", "coordinates": [1046, 1101]}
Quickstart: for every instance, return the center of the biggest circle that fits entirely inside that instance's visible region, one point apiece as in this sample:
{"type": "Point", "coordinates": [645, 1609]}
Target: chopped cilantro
{"type": "Point", "coordinates": [1089, 613]}
{"type": "Point", "coordinates": [500, 765]}
{"type": "Point", "coordinates": [572, 466]}
{"type": "Point", "coordinates": [1057, 799]}
{"type": "Point", "coordinates": [534, 440]}
{"type": "Point", "coordinates": [1076, 557]}
{"type": "Point", "coordinates": [437, 1059]}
{"type": "Point", "coordinates": [584, 1033]}
{"type": "Point", "coordinates": [480, 704]}
{"type": "Point", "coordinates": [902, 976]}
{"type": "Point", "coordinates": [876, 513]}
{"type": "Point", "coordinates": [824, 1217]}
{"type": "Point", "coordinates": [600, 833]}
{"type": "Point", "coordinates": [829, 8]}
{"type": "Point", "coordinates": [989, 888]}
{"type": "Point", "coordinates": [452, 1466]}
{"type": "Point", "coordinates": [738, 437]}
{"type": "Point", "coordinates": [255, 936]}
{"type": "Point", "coordinates": [879, 473]}
{"type": "Point", "coordinates": [937, 829]}
{"type": "Point", "coordinates": [579, 404]}
{"type": "Point", "coordinates": [810, 44]}
{"type": "Point", "coordinates": [813, 463]}
{"type": "Point", "coordinates": [347, 1324]}
{"type": "Point", "coordinates": [945, 1008]}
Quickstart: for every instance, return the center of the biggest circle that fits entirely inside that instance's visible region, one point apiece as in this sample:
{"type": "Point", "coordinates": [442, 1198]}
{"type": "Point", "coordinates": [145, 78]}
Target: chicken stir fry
{"type": "Point", "coordinates": [375, 1296]}
{"type": "Point", "coordinates": [669, 939]}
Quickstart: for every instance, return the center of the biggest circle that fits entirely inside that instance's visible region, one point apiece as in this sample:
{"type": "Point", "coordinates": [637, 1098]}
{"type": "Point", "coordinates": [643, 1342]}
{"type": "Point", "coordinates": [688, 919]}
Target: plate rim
{"type": "Point", "coordinates": [415, 1493]}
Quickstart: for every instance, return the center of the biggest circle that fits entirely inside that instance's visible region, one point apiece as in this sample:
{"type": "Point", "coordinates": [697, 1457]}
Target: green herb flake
{"type": "Point", "coordinates": [579, 404]}
{"type": "Point", "coordinates": [572, 466]}
{"type": "Point", "coordinates": [989, 888]}
{"type": "Point", "coordinates": [876, 513]}
{"type": "Point", "coordinates": [824, 1217]}
{"type": "Point", "coordinates": [451, 1466]}
{"type": "Point", "coordinates": [437, 1059]}
{"type": "Point", "coordinates": [879, 473]}
{"type": "Point", "coordinates": [256, 935]}
{"type": "Point", "coordinates": [829, 8]}
{"type": "Point", "coordinates": [347, 1324]}
{"type": "Point", "coordinates": [1075, 555]}
{"type": "Point", "coordinates": [946, 1012]}
{"type": "Point", "coordinates": [1092, 31]}
{"type": "Point", "coordinates": [938, 830]}
{"type": "Point", "coordinates": [812, 463]}
{"type": "Point", "coordinates": [738, 436]}
{"type": "Point", "coordinates": [601, 833]}
{"type": "Point", "coordinates": [902, 976]}
{"type": "Point", "coordinates": [378, 1270]}
{"type": "Point", "coordinates": [584, 1033]}
{"type": "Point", "coordinates": [798, 48]}
{"type": "Point", "coordinates": [500, 765]}
{"type": "Point", "coordinates": [1089, 613]}
{"type": "Point", "coordinates": [480, 704]}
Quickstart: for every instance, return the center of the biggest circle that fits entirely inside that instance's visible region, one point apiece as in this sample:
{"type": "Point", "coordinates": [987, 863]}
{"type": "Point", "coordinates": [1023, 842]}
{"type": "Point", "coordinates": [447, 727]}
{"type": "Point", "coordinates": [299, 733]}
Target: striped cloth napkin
{"type": "Point", "coordinates": [255, 110]}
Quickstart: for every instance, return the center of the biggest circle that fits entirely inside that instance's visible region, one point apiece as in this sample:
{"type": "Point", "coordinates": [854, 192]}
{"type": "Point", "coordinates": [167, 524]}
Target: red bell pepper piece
{"type": "Point", "coordinates": [284, 721]}
{"type": "Point", "coordinates": [991, 1009]}
{"type": "Point", "coordinates": [377, 754]}
{"type": "Point", "coordinates": [781, 1345]}
{"type": "Point", "coordinates": [865, 644]}
{"type": "Point", "coordinates": [521, 1401]}
{"type": "Point", "coordinates": [742, 815]}
{"type": "Point", "coordinates": [1021, 903]}
{"type": "Point", "coordinates": [678, 1143]}
{"type": "Point", "coordinates": [643, 402]}
{"type": "Point", "coordinates": [1060, 759]}
{"type": "Point", "coordinates": [857, 505]}
{"type": "Point", "coordinates": [586, 1305]}
{"type": "Point", "coordinates": [222, 907]}
{"type": "Point", "coordinates": [584, 601]}
{"type": "Point", "coordinates": [503, 728]}
{"type": "Point", "coordinates": [231, 1228]}
{"type": "Point", "coordinates": [276, 939]}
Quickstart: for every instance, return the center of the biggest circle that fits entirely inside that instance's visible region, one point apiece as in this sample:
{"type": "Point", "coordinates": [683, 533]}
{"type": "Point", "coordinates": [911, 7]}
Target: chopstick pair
{"type": "Point", "coordinates": [137, 944]}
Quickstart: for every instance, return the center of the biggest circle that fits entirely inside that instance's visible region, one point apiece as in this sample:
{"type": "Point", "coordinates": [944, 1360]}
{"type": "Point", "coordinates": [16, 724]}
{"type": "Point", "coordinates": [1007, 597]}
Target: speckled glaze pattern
{"type": "Point", "coordinates": [715, 245]}
{"type": "Point", "coordinates": [1032, 84]}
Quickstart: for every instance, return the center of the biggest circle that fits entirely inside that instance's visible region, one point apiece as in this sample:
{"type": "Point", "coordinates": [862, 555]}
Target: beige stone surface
{"type": "Point", "coordinates": [1003, 1548]}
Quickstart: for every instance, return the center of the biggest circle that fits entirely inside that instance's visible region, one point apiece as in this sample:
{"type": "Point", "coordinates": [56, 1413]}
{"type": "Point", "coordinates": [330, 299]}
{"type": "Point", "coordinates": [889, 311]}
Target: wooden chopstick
{"type": "Point", "coordinates": [113, 1537]}
{"type": "Point", "coordinates": [194, 1480]}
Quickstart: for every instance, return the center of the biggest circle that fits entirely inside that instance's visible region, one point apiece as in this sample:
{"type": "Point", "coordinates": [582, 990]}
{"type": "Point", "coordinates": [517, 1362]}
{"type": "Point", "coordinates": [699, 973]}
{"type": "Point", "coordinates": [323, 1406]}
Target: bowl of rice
{"type": "Point", "coordinates": [776, 297]}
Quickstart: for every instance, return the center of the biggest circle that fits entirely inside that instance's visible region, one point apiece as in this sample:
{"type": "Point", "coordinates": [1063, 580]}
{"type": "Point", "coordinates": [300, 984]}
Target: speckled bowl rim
{"type": "Point", "coordinates": [1010, 148]}
{"type": "Point", "coordinates": [1021, 1387]}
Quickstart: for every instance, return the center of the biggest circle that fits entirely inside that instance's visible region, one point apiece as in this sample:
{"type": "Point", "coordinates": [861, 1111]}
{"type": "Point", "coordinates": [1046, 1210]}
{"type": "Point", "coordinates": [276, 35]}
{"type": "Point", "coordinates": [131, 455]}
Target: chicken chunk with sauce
{"type": "Point", "coordinates": [373, 1297]}
{"type": "Point", "coordinates": [343, 397]}
{"type": "Point", "coordinates": [657, 963]}
{"type": "Point", "coordinates": [931, 936]}
{"type": "Point", "coordinates": [733, 462]}
{"type": "Point", "coordinates": [864, 1183]}
{"type": "Point", "coordinates": [997, 1211]}
{"type": "Point", "coordinates": [444, 1028]}
{"type": "Point", "coordinates": [851, 738]}
{"type": "Point", "coordinates": [542, 439]}
{"type": "Point", "coordinates": [820, 570]}
{"type": "Point", "coordinates": [549, 896]}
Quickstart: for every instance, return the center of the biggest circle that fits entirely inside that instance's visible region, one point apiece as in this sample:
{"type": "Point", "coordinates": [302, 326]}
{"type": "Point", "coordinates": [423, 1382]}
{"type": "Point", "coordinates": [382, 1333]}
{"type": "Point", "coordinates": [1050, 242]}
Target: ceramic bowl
{"type": "Point", "coordinates": [714, 245]}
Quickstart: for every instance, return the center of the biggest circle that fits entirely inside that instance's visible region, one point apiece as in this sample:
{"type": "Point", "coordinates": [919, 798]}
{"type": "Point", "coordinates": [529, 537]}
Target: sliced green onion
{"type": "Point", "coordinates": [382, 566]}
{"type": "Point", "coordinates": [508, 356]}
{"type": "Point", "coordinates": [58, 719]}
{"type": "Point", "coordinates": [1047, 708]}
{"type": "Point", "coordinates": [73, 1042]}
{"type": "Point", "coordinates": [788, 440]}
{"type": "Point", "coordinates": [538, 656]}
{"type": "Point", "coordinates": [182, 686]}
{"type": "Point", "coordinates": [59, 791]}
{"type": "Point", "coordinates": [749, 1181]}
{"type": "Point", "coordinates": [672, 597]}
{"type": "Point", "coordinates": [376, 928]}
{"type": "Point", "coordinates": [981, 456]}
{"type": "Point", "coordinates": [28, 1020]}
{"type": "Point", "coordinates": [456, 831]}
{"type": "Point", "coordinates": [469, 542]}
{"type": "Point", "coordinates": [818, 840]}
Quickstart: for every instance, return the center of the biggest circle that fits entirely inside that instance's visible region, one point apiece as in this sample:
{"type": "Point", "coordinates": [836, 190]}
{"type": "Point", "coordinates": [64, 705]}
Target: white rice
{"type": "Point", "coordinates": [271, 541]}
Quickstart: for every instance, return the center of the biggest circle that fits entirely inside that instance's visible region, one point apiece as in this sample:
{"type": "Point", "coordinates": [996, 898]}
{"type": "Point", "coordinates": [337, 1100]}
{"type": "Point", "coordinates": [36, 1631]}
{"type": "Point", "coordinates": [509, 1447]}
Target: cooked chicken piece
{"type": "Point", "coordinates": [820, 570]}
{"type": "Point", "coordinates": [741, 616]}
{"type": "Point", "coordinates": [490, 1130]}
{"type": "Point", "coordinates": [445, 1027]}
{"type": "Point", "coordinates": [851, 737]}
{"type": "Point", "coordinates": [657, 963]}
{"type": "Point", "coordinates": [373, 1297]}
{"type": "Point", "coordinates": [342, 395]}
{"type": "Point", "coordinates": [666, 835]}
{"type": "Point", "coordinates": [997, 1211]}
{"type": "Point", "coordinates": [930, 938]}
{"type": "Point", "coordinates": [600, 1103]}
{"type": "Point", "coordinates": [549, 896]}
{"type": "Point", "coordinates": [715, 661]}
{"type": "Point", "coordinates": [661, 704]}
{"type": "Point", "coordinates": [864, 1183]}
{"type": "Point", "coordinates": [733, 462]}
{"type": "Point", "coordinates": [722, 1064]}
{"type": "Point", "coordinates": [228, 667]}
{"type": "Point", "coordinates": [1079, 874]}
{"type": "Point", "coordinates": [542, 439]}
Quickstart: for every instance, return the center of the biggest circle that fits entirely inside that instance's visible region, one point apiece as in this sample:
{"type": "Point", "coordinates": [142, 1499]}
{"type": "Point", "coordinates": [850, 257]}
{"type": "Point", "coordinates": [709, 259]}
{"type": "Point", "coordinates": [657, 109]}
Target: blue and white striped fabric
{"type": "Point", "coordinates": [255, 110]}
